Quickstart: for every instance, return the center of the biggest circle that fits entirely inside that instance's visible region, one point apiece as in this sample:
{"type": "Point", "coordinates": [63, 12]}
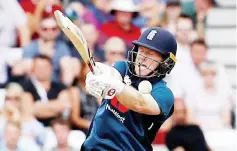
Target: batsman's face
{"type": "Point", "coordinates": [146, 61]}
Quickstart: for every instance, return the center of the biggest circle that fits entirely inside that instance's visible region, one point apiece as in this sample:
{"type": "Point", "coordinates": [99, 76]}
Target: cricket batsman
{"type": "Point", "coordinates": [132, 111]}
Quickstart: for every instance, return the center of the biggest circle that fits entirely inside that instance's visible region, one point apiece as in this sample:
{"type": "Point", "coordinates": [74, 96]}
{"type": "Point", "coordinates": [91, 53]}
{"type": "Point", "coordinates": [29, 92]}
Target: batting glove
{"type": "Point", "coordinates": [103, 85]}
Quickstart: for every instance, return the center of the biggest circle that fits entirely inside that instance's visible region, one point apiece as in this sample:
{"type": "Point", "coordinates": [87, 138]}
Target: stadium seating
{"type": "Point", "coordinates": [221, 36]}
{"type": "Point", "coordinates": [226, 3]}
{"type": "Point", "coordinates": [221, 39]}
{"type": "Point", "coordinates": [217, 17]}
{"type": "Point", "coordinates": [218, 53]}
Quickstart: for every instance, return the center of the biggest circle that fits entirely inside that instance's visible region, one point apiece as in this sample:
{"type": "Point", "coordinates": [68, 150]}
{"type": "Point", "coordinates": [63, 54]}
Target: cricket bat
{"type": "Point", "coordinates": [76, 37]}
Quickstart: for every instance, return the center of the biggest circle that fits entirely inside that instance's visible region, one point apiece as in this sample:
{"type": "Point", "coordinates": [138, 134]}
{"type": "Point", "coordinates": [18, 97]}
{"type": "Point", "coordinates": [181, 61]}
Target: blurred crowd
{"type": "Point", "coordinates": [43, 101]}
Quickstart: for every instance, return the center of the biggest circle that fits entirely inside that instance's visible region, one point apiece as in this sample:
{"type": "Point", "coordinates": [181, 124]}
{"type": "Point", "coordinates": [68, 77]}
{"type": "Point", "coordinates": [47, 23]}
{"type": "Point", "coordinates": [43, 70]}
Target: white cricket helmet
{"type": "Point", "coordinates": [125, 6]}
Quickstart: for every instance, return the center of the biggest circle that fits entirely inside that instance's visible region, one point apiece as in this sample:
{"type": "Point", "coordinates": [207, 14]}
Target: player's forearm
{"type": "Point", "coordinates": [138, 102]}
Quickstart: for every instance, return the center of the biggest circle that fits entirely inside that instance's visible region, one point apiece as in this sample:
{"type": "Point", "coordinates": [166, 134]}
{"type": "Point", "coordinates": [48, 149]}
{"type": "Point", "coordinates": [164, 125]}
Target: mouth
{"type": "Point", "coordinates": [142, 66]}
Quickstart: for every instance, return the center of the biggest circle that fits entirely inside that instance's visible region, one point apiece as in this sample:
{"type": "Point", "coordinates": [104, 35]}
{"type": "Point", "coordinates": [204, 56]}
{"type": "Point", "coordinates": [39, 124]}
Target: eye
{"type": "Point", "coordinates": [150, 53]}
{"type": "Point", "coordinates": [141, 50]}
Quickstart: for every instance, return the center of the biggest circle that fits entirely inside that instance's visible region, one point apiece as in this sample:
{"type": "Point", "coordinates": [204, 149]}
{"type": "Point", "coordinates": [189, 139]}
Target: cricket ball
{"type": "Point", "coordinates": [145, 87]}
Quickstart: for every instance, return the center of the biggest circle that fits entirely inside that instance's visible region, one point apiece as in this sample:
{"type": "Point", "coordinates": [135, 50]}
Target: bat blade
{"type": "Point", "coordinates": [76, 37]}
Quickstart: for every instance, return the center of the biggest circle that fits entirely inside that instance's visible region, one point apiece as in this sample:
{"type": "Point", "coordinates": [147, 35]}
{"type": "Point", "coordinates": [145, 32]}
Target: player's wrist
{"type": "Point", "coordinates": [116, 87]}
{"type": "Point", "coordinates": [119, 87]}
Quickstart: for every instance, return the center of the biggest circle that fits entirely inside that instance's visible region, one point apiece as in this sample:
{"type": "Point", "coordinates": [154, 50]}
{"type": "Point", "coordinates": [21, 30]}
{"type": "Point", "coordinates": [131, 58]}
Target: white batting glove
{"type": "Point", "coordinates": [103, 85]}
{"type": "Point", "coordinates": [102, 68]}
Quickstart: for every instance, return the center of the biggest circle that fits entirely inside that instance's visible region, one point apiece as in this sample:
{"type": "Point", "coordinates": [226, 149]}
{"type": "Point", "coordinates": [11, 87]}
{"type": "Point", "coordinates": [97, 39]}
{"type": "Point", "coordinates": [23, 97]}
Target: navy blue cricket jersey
{"type": "Point", "coordinates": [116, 128]}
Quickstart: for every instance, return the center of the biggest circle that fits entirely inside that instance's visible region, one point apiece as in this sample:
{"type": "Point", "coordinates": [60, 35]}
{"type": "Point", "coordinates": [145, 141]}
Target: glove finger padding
{"type": "Point", "coordinates": [108, 70]}
{"type": "Point", "coordinates": [105, 85]}
{"type": "Point", "coordinates": [95, 85]}
{"type": "Point", "coordinates": [93, 90]}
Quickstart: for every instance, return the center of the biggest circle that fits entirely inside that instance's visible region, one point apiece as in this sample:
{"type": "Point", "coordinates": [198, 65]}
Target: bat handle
{"type": "Point", "coordinates": [92, 66]}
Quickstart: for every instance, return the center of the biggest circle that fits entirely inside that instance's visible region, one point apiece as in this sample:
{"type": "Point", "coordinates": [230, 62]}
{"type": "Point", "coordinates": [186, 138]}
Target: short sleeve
{"type": "Point", "coordinates": [121, 67]}
{"type": "Point", "coordinates": [164, 97]}
{"type": "Point", "coordinates": [64, 49]}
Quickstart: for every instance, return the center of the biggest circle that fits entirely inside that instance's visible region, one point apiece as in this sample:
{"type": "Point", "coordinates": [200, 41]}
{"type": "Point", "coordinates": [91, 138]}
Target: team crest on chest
{"type": "Point", "coordinates": [151, 35]}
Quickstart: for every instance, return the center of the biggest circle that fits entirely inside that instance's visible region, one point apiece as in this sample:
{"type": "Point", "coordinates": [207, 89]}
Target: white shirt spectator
{"type": "Point", "coordinates": [186, 81]}
{"type": "Point", "coordinates": [75, 140]}
{"type": "Point", "coordinates": [183, 54]}
{"type": "Point", "coordinates": [33, 129]}
{"type": "Point", "coordinates": [12, 16]}
{"type": "Point", "coordinates": [7, 55]}
{"type": "Point", "coordinates": [3, 66]}
{"type": "Point", "coordinates": [32, 133]}
{"type": "Point", "coordinates": [208, 109]}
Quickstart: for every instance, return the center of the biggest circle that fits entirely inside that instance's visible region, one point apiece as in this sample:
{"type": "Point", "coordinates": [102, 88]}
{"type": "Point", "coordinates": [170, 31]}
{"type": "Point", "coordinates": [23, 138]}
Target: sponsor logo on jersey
{"type": "Point", "coordinates": [108, 107]}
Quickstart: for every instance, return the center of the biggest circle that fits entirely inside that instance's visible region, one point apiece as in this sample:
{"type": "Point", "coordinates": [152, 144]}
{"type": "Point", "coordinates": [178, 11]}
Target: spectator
{"type": "Point", "coordinates": [115, 50]}
{"type": "Point", "coordinates": [12, 103]}
{"type": "Point", "coordinates": [190, 84]}
{"type": "Point", "coordinates": [176, 78]}
{"type": "Point", "coordinates": [84, 2]}
{"type": "Point", "coordinates": [184, 136]}
{"type": "Point", "coordinates": [48, 45]}
{"type": "Point", "coordinates": [17, 107]}
{"type": "Point", "coordinates": [8, 58]}
{"type": "Point", "coordinates": [91, 35]}
{"type": "Point", "coordinates": [4, 61]}
{"type": "Point", "coordinates": [84, 14]}
{"type": "Point", "coordinates": [50, 98]}
{"type": "Point", "coordinates": [84, 105]}
{"type": "Point", "coordinates": [36, 11]}
{"type": "Point", "coordinates": [149, 13]}
{"type": "Point", "coordinates": [73, 14]}
{"type": "Point", "coordinates": [13, 25]}
{"type": "Point", "coordinates": [184, 36]}
{"type": "Point", "coordinates": [171, 15]}
{"type": "Point", "coordinates": [61, 129]}
{"type": "Point", "coordinates": [101, 11]}
{"type": "Point", "coordinates": [124, 12]}
{"type": "Point", "coordinates": [202, 7]}
{"type": "Point", "coordinates": [198, 10]}
{"type": "Point", "coordinates": [96, 13]}
{"type": "Point", "coordinates": [11, 137]}
{"type": "Point", "coordinates": [210, 108]}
